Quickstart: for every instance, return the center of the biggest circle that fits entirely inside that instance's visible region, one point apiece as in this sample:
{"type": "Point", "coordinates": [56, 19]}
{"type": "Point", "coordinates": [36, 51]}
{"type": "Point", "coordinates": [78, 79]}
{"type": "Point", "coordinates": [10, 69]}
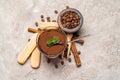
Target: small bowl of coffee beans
{"type": "Point", "coordinates": [70, 20]}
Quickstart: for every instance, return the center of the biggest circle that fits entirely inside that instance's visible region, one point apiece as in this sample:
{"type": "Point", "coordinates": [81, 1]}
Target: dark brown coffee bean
{"type": "Point", "coordinates": [70, 54]}
{"type": "Point", "coordinates": [39, 29]}
{"type": "Point", "coordinates": [76, 34]}
{"type": "Point", "coordinates": [42, 20]}
{"type": "Point", "coordinates": [62, 62]}
{"type": "Point", "coordinates": [69, 59]}
{"type": "Point", "coordinates": [56, 66]}
{"type": "Point", "coordinates": [71, 15]}
{"type": "Point", "coordinates": [42, 16]}
{"type": "Point", "coordinates": [53, 20]}
{"type": "Point", "coordinates": [29, 40]}
{"type": "Point", "coordinates": [79, 52]}
{"type": "Point", "coordinates": [56, 12]}
{"type": "Point", "coordinates": [48, 19]}
{"type": "Point", "coordinates": [60, 56]}
{"type": "Point", "coordinates": [48, 61]}
{"type": "Point", "coordinates": [36, 24]}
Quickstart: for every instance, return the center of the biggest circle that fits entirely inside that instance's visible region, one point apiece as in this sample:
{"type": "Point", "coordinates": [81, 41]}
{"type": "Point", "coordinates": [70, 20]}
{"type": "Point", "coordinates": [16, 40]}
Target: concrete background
{"type": "Point", "coordinates": [100, 54]}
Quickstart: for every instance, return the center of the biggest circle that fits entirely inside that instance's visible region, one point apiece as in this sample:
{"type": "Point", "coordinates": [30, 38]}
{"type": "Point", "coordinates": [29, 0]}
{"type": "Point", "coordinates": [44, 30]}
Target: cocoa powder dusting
{"type": "Point", "coordinates": [47, 35]}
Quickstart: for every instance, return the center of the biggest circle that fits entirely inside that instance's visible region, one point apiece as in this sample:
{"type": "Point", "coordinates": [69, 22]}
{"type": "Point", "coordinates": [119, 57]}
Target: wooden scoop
{"type": "Point", "coordinates": [69, 37]}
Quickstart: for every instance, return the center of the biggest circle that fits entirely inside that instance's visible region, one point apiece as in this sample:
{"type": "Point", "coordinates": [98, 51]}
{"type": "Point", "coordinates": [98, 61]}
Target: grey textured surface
{"type": "Point", "coordinates": [100, 54]}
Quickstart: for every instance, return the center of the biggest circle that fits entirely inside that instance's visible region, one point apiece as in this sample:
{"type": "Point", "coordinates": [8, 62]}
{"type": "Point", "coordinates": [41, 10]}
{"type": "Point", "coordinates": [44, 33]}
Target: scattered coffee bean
{"type": "Point", "coordinates": [36, 24]}
{"type": "Point", "coordinates": [79, 65]}
{"type": "Point", "coordinates": [48, 19]}
{"type": "Point", "coordinates": [48, 61]}
{"type": "Point", "coordinates": [70, 54]}
{"type": "Point", "coordinates": [42, 16]}
{"type": "Point", "coordinates": [56, 66]}
{"type": "Point", "coordinates": [79, 52]}
{"type": "Point", "coordinates": [56, 12]}
{"type": "Point", "coordinates": [39, 29]}
{"type": "Point", "coordinates": [60, 56]}
{"type": "Point", "coordinates": [42, 20]}
{"type": "Point", "coordinates": [53, 20]}
{"type": "Point", "coordinates": [67, 7]}
{"type": "Point", "coordinates": [28, 40]}
{"type": "Point", "coordinates": [65, 52]}
{"type": "Point", "coordinates": [69, 59]}
{"type": "Point", "coordinates": [76, 34]}
{"type": "Point", "coordinates": [62, 62]}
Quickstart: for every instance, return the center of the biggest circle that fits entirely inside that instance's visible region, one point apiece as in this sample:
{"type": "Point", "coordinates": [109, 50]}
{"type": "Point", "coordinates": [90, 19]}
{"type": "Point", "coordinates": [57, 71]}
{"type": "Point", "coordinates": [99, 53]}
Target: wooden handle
{"type": "Point", "coordinates": [69, 37]}
{"type": "Point", "coordinates": [35, 58]}
{"type": "Point", "coordinates": [76, 55]}
{"type": "Point", "coordinates": [68, 51]}
{"type": "Point", "coordinates": [23, 56]}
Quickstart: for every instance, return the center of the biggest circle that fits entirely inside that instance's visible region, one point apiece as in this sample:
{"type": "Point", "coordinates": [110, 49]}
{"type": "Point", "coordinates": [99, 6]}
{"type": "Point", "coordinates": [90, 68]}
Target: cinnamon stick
{"type": "Point", "coordinates": [76, 55]}
{"type": "Point", "coordinates": [32, 30]}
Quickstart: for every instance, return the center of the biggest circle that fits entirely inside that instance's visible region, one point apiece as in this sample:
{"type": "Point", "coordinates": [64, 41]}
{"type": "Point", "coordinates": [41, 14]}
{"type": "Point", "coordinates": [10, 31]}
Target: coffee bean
{"type": "Point", "coordinates": [62, 62]}
{"type": "Point", "coordinates": [29, 40]}
{"type": "Point", "coordinates": [36, 24]}
{"type": "Point", "coordinates": [79, 52]}
{"type": "Point", "coordinates": [70, 54]}
{"type": "Point", "coordinates": [42, 20]}
{"type": "Point", "coordinates": [67, 7]}
{"type": "Point", "coordinates": [56, 12]}
{"type": "Point", "coordinates": [60, 56]}
{"type": "Point", "coordinates": [42, 16]}
{"type": "Point", "coordinates": [76, 34]}
{"type": "Point", "coordinates": [69, 59]}
{"type": "Point", "coordinates": [65, 52]}
{"type": "Point", "coordinates": [48, 61]}
{"type": "Point", "coordinates": [39, 29]}
{"type": "Point", "coordinates": [53, 20]}
{"type": "Point", "coordinates": [48, 19]}
{"type": "Point", "coordinates": [56, 66]}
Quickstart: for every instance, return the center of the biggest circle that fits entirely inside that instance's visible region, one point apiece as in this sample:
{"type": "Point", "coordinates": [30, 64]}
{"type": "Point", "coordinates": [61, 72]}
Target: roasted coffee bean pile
{"type": "Point", "coordinates": [70, 19]}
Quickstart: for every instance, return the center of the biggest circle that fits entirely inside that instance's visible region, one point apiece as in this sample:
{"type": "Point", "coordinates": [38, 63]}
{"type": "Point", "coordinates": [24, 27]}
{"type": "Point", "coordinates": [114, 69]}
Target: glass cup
{"type": "Point", "coordinates": [46, 54]}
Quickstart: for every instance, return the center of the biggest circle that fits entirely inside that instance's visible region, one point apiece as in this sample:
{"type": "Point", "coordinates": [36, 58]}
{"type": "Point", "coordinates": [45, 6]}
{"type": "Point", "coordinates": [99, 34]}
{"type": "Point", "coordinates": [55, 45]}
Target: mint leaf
{"type": "Point", "coordinates": [49, 42]}
{"type": "Point", "coordinates": [55, 39]}
{"type": "Point", "coordinates": [52, 41]}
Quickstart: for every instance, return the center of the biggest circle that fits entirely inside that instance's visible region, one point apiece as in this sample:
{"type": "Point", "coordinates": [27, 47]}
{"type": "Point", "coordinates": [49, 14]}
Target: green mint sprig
{"type": "Point", "coordinates": [52, 41]}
